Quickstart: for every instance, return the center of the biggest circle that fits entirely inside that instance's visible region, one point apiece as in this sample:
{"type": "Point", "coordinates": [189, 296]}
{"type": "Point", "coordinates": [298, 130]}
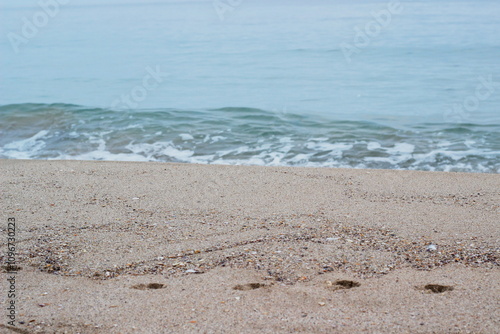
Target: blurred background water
{"type": "Point", "coordinates": [363, 84]}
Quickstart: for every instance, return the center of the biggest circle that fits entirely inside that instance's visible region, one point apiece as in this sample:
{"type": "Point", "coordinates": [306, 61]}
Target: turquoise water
{"type": "Point", "coordinates": [253, 82]}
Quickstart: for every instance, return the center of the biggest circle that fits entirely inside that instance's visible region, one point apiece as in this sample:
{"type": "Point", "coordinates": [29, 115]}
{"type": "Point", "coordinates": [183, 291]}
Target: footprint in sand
{"type": "Point", "coordinates": [342, 284]}
{"type": "Point", "coordinates": [437, 288]}
{"type": "Point", "coordinates": [150, 286]}
{"type": "Point", "coordinates": [248, 286]}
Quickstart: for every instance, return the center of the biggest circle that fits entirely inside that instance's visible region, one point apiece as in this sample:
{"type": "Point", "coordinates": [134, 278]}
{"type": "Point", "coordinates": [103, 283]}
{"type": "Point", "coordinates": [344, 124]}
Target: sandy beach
{"type": "Point", "coordinates": [129, 247]}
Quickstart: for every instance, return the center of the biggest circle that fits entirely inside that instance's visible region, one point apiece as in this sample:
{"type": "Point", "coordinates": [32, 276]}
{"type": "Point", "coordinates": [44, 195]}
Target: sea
{"type": "Point", "coordinates": [408, 85]}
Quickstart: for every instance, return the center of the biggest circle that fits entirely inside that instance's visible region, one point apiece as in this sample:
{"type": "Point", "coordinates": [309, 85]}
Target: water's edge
{"type": "Point", "coordinates": [243, 136]}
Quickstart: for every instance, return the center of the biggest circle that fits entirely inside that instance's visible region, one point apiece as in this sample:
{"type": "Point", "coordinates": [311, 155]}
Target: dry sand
{"type": "Point", "coordinates": [121, 247]}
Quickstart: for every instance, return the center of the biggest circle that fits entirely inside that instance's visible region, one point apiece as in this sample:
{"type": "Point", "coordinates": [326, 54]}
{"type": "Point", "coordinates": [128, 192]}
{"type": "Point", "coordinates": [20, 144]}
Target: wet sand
{"type": "Point", "coordinates": [124, 247]}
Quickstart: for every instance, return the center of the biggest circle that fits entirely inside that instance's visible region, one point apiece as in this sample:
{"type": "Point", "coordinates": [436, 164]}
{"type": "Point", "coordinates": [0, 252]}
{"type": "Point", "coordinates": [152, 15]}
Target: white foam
{"type": "Point", "coordinates": [285, 140]}
{"type": "Point", "coordinates": [217, 138]}
{"type": "Point", "coordinates": [272, 151]}
{"type": "Point", "coordinates": [469, 143]}
{"type": "Point", "coordinates": [401, 148]}
{"type": "Point", "coordinates": [26, 148]}
{"type": "Point", "coordinates": [300, 158]}
{"type": "Point", "coordinates": [103, 155]}
{"type": "Point", "coordinates": [373, 145]}
{"type": "Point", "coordinates": [443, 144]}
{"type": "Point", "coordinates": [335, 149]}
{"type": "Point", "coordinates": [155, 150]}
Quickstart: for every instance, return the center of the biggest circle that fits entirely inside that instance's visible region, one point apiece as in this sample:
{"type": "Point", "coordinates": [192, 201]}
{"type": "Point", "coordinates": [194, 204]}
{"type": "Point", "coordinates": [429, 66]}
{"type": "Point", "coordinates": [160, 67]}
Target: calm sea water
{"type": "Point", "coordinates": [363, 84]}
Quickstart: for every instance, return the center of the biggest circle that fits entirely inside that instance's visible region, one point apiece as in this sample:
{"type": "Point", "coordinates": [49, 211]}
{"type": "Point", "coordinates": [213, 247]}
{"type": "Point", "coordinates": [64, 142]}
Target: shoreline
{"type": "Point", "coordinates": [239, 248]}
